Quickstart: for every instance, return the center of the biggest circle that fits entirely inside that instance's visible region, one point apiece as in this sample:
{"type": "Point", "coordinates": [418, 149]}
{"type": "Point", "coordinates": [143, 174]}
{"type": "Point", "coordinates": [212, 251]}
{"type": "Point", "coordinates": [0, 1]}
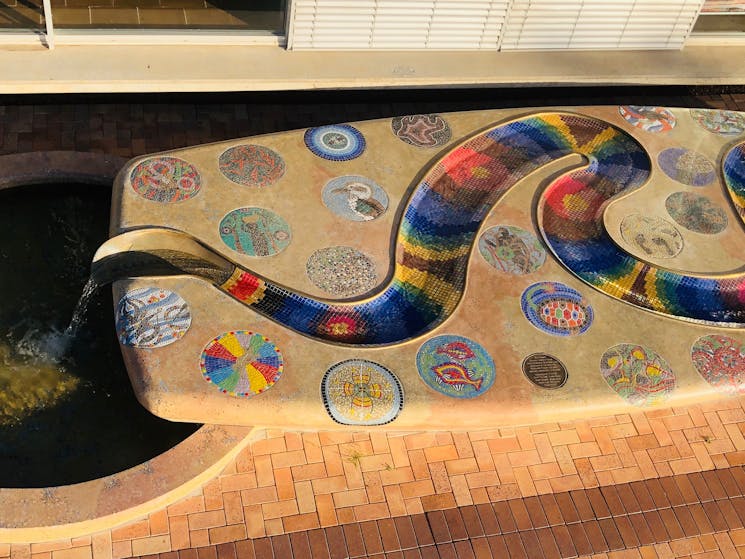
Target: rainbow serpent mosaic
{"type": "Point", "coordinates": [448, 206]}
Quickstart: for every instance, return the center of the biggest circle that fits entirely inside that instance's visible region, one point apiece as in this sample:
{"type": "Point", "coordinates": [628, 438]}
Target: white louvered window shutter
{"type": "Point", "coordinates": [599, 24]}
{"type": "Point", "coordinates": [397, 24]}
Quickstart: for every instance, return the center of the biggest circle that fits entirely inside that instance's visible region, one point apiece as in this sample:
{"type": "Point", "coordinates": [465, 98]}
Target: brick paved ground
{"type": "Point", "coordinates": [666, 483]}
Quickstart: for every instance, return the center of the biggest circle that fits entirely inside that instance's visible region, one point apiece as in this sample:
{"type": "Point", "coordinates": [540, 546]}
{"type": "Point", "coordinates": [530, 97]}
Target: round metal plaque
{"type": "Point", "coordinates": [545, 370]}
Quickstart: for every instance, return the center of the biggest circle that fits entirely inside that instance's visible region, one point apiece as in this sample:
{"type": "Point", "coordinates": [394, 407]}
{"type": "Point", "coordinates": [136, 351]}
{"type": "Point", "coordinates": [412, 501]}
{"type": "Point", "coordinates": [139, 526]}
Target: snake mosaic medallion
{"type": "Point", "coordinates": [323, 278]}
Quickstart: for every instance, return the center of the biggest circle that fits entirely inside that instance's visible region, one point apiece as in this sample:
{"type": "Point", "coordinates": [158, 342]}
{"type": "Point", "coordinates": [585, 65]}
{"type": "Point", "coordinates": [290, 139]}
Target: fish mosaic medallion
{"type": "Point", "coordinates": [363, 266]}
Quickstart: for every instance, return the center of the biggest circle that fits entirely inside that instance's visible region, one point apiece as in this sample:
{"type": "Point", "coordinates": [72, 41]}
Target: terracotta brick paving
{"type": "Point", "coordinates": [666, 483]}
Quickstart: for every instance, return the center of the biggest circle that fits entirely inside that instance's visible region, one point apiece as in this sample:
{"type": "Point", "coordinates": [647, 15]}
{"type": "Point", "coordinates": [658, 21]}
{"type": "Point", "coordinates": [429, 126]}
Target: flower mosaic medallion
{"type": "Point", "coordinates": [696, 213]}
{"type": "Point", "coordinates": [455, 366]}
{"type": "Point", "coordinates": [725, 123]}
{"type": "Point", "coordinates": [649, 119]}
{"type": "Point", "coordinates": [720, 360]}
{"type": "Point", "coordinates": [338, 142]}
{"type": "Point", "coordinates": [241, 363]}
{"type": "Point", "coordinates": [341, 271]}
{"type": "Point", "coordinates": [361, 392]}
{"type": "Point", "coordinates": [165, 179]}
{"type": "Point", "coordinates": [512, 250]}
{"type": "Point", "coordinates": [252, 165]}
{"type": "Point", "coordinates": [355, 198]}
{"type": "Point", "coordinates": [686, 166]}
{"type": "Point", "coordinates": [652, 236]}
{"type": "Point", "coordinates": [556, 309]}
{"type": "Point", "coordinates": [425, 131]}
{"type": "Point", "coordinates": [255, 232]}
{"type": "Point", "coordinates": [637, 374]}
{"type": "Point", "coordinates": [151, 317]}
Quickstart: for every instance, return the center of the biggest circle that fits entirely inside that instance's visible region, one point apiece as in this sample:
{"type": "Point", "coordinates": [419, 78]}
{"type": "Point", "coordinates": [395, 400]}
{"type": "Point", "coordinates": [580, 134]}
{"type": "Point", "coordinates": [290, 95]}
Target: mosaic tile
{"type": "Point", "coordinates": [726, 123]}
{"type": "Point", "coordinates": [696, 213]}
{"type": "Point", "coordinates": [252, 165]}
{"type": "Point", "coordinates": [637, 374]}
{"type": "Point", "coordinates": [511, 249]}
{"type": "Point", "coordinates": [241, 363]}
{"type": "Point", "coordinates": [338, 142]}
{"type": "Point", "coordinates": [151, 317]}
{"type": "Point", "coordinates": [426, 131]}
{"type": "Point", "coordinates": [686, 166]}
{"type": "Point", "coordinates": [556, 309]}
{"type": "Point", "coordinates": [649, 119]}
{"type": "Point", "coordinates": [355, 198]}
{"type": "Point", "coordinates": [720, 360]}
{"type": "Point", "coordinates": [165, 179]}
{"type": "Point", "coordinates": [455, 366]}
{"type": "Point", "coordinates": [545, 371]}
{"type": "Point", "coordinates": [361, 392]}
{"type": "Point", "coordinates": [653, 236]}
{"type": "Point", "coordinates": [255, 231]}
{"type": "Point", "coordinates": [341, 271]}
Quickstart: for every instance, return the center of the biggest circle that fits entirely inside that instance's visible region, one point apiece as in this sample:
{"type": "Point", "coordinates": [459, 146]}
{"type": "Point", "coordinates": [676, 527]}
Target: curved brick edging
{"type": "Point", "coordinates": [38, 167]}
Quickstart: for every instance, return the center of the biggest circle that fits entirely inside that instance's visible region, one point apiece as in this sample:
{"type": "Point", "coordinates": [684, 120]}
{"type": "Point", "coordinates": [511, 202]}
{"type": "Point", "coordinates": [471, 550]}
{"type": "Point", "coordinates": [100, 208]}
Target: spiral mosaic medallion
{"type": "Point", "coordinates": [355, 198]}
{"type": "Point", "coordinates": [338, 142]}
{"type": "Point", "coordinates": [556, 309]}
{"type": "Point", "coordinates": [241, 363]}
{"type": "Point", "coordinates": [649, 119]}
{"type": "Point", "coordinates": [425, 131]}
{"type": "Point", "coordinates": [721, 361]}
{"type": "Point", "coordinates": [637, 374]}
{"type": "Point", "coordinates": [455, 366]}
{"type": "Point", "coordinates": [361, 392]}
{"type": "Point", "coordinates": [686, 166]}
{"type": "Point", "coordinates": [165, 179]}
{"type": "Point", "coordinates": [652, 236]}
{"type": "Point", "coordinates": [341, 271]}
{"type": "Point", "coordinates": [725, 123]}
{"type": "Point", "coordinates": [252, 165]}
{"type": "Point", "coordinates": [151, 317]}
{"type": "Point", "coordinates": [696, 213]}
{"type": "Point", "coordinates": [511, 249]}
{"type": "Point", "coordinates": [255, 232]}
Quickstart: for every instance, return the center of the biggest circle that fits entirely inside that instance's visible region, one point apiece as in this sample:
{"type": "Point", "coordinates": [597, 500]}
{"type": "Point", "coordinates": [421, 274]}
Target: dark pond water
{"type": "Point", "coordinates": [67, 410]}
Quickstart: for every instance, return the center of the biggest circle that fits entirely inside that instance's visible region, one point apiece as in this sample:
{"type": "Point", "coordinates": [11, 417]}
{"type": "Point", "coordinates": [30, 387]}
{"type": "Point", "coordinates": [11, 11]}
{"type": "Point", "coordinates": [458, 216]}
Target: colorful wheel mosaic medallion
{"type": "Point", "coordinates": [151, 317]}
{"type": "Point", "coordinates": [721, 361]}
{"type": "Point", "coordinates": [556, 309]}
{"type": "Point", "coordinates": [652, 236]}
{"type": "Point", "coordinates": [255, 232]}
{"type": "Point", "coordinates": [511, 249]}
{"type": "Point", "coordinates": [424, 131]}
{"type": "Point", "coordinates": [637, 374]}
{"type": "Point", "coordinates": [341, 271]}
{"type": "Point", "coordinates": [455, 366]}
{"type": "Point", "coordinates": [726, 123]}
{"type": "Point", "coordinates": [649, 119]}
{"type": "Point", "coordinates": [686, 166]}
{"type": "Point", "coordinates": [338, 142]}
{"type": "Point", "coordinates": [165, 179]}
{"type": "Point", "coordinates": [361, 392]}
{"type": "Point", "coordinates": [252, 165]}
{"type": "Point", "coordinates": [696, 213]}
{"type": "Point", "coordinates": [241, 363]}
{"type": "Point", "coordinates": [355, 198]}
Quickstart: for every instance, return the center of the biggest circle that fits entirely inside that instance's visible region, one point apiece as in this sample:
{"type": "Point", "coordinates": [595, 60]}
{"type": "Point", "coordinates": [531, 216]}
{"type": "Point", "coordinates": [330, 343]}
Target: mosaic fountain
{"type": "Point", "coordinates": [450, 271]}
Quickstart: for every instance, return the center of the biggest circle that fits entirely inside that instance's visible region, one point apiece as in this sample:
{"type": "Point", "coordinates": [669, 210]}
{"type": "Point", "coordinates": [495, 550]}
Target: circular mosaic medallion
{"type": "Point", "coordinates": [726, 123]}
{"type": "Point", "coordinates": [252, 165]}
{"type": "Point", "coordinates": [241, 363]}
{"type": "Point", "coordinates": [649, 119]}
{"type": "Point", "coordinates": [545, 371]}
{"type": "Point", "coordinates": [425, 131]}
{"type": "Point", "coordinates": [455, 366]}
{"type": "Point", "coordinates": [255, 231]}
{"type": "Point", "coordinates": [686, 166]}
{"type": "Point", "coordinates": [637, 374]}
{"type": "Point", "coordinates": [338, 142]}
{"type": "Point", "coordinates": [721, 361]}
{"type": "Point", "coordinates": [653, 236]}
{"type": "Point", "coordinates": [511, 249]}
{"type": "Point", "coordinates": [165, 179]}
{"type": "Point", "coordinates": [151, 317]}
{"type": "Point", "coordinates": [341, 271]}
{"type": "Point", "coordinates": [355, 198]}
{"type": "Point", "coordinates": [696, 213]}
{"type": "Point", "coordinates": [361, 392]}
{"type": "Point", "coordinates": [556, 309]}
